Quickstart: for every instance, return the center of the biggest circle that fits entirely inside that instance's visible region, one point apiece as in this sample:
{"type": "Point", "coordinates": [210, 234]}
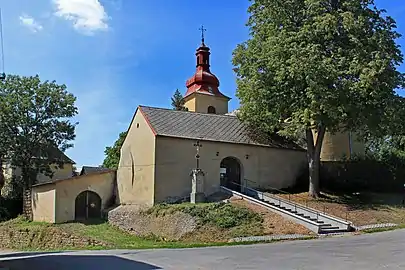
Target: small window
{"type": "Point", "coordinates": [212, 110]}
{"type": "Point", "coordinates": [137, 125]}
{"type": "Point", "coordinates": [198, 60]}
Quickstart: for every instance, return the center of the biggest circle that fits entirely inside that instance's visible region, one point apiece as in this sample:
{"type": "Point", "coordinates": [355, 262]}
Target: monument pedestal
{"type": "Point", "coordinates": [197, 194]}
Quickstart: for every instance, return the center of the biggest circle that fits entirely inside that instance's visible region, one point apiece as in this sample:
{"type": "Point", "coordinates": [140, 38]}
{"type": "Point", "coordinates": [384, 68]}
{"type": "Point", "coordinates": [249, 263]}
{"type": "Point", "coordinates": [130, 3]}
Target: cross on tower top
{"type": "Point", "coordinates": [202, 29]}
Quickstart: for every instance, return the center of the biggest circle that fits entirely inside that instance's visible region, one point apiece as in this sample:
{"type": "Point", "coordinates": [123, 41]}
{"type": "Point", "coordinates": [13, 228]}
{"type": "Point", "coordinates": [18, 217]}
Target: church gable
{"type": "Point", "coordinates": [138, 122]}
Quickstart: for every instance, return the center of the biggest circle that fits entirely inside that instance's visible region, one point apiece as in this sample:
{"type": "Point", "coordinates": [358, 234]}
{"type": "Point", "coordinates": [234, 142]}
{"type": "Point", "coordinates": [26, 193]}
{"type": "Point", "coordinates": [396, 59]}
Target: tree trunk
{"type": "Point", "coordinates": [314, 159]}
{"type": "Point", "coordinates": [1, 175]}
{"type": "Point", "coordinates": [27, 203]}
{"type": "Point", "coordinates": [314, 189]}
{"type": "Point", "coordinates": [27, 175]}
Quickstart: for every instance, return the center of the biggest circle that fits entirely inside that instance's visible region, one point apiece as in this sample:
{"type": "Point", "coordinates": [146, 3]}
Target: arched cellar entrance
{"type": "Point", "coordinates": [87, 206]}
{"type": "Point", "coordinates": [231, 173]}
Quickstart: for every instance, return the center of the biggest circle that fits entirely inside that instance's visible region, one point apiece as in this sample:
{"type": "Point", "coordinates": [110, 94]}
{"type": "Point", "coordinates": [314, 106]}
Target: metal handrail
{"type": "Point", "coordinates": [281, 199]}
{"type": "Point", "coordinates": [295, 203]}
{"type": "Point", "coordinates": [279, 190]}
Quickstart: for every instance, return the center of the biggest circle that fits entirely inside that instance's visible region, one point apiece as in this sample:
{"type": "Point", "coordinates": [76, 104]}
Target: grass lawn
{"type": "Point", "coordinates": [99, 230]}
{"type": "Point", "coordinates": [217, 223]}
{"type": "Point", "coordinates": [360, 208]}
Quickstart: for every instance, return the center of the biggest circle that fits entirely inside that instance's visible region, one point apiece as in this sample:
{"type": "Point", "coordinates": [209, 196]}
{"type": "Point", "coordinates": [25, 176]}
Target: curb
{"type": "Point", "coordinates": [271, 238]}
{"type": "Point", "coordinates": [375, 226]}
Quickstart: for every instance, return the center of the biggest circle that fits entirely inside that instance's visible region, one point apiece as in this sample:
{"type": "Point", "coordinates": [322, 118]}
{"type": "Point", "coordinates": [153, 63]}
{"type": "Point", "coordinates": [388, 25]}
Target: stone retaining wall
{"type": "Point", "coordinates": [171, 226]}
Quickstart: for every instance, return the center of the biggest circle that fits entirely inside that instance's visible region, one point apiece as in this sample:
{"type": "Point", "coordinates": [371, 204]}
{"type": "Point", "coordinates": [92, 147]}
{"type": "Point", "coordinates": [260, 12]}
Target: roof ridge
{"type": "Point", "coordinates": [171, 110]}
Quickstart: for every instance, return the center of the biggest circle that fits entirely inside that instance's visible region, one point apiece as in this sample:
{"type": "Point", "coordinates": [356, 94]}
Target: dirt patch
{"type": "Point", "coordinates": [273, 224]}
{"type": "Point", "coordinates": [359, 208]}
{"type": "Point", "coordinates": [134, 221]}
{"type": "Point", "coordinates": [206, 234]}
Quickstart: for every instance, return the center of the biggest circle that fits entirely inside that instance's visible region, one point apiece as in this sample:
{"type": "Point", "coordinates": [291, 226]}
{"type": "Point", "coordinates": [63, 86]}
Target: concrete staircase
{"type": "Point", "coordinates": [314, 220]}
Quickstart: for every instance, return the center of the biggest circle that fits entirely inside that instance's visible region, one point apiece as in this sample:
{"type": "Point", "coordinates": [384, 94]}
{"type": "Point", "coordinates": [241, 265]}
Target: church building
{"type": "Point", "coordinates": [159, 152]}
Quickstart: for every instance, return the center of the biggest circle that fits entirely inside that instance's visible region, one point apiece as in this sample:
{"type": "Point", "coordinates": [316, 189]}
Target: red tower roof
{"type": "Point", "coordinates": [203, 81]}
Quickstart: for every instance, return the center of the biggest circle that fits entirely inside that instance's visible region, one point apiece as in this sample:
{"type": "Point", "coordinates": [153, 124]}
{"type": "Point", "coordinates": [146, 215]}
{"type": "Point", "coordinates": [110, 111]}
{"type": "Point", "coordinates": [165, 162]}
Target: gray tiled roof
{"type": "Point", "coordinates": [89, 170]}
{"type": "Point", "coordinates": [212, 127]}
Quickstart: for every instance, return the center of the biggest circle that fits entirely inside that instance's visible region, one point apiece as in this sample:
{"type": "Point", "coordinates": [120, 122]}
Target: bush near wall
{"type": "Point", "coordinates": [362, 175]}
{"type": "Point", "coordinates": [11, 208]}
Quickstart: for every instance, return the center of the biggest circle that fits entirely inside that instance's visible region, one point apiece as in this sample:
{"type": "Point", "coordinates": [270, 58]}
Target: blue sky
{"type": "Point", "coordinates": [117, 54]}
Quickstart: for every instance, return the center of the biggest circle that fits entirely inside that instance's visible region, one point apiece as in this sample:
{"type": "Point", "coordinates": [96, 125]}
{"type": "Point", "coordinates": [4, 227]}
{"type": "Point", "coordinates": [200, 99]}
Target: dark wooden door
{"type": "Point", "coordinates": [93, 205]}
{"type": "Point", "coordinates": [80, 206]}
{"type": "Point", "coordinates": [87, 206]}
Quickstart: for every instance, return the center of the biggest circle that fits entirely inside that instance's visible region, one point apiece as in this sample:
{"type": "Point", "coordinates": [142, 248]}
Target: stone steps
{"type": "Point", "coordinates": [310, 218]}
{"type": "Point", "coordinates": [325, 227]}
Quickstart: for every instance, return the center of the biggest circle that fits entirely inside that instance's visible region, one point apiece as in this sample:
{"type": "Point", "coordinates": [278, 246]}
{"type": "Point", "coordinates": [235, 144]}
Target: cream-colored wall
{"type": "Point", "coordinates": [62, 172]}
{"type": "Point", "coordinates": [189, 103]}
{"type": "Point", "coordinates": [200, 102]}
{"type": "Point", "coordinates": [7, 170]}
{"type": "Point", "coordinates": [68, 190]}
{"type": "Point", "coordinates": [264, 167]}
{"type": "Point", "coordinates": [336, 146]}
{"type": "Point", "coordinates": [136, 171]}
{"type": "Point", "coordinates": [43, 203]}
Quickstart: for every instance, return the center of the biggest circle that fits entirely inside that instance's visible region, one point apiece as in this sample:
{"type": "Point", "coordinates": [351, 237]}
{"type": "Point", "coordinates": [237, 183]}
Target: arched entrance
{"type": "Point", "coordinates": [87, 206]}
{"type": "Point", "coordinates": [231, 173]}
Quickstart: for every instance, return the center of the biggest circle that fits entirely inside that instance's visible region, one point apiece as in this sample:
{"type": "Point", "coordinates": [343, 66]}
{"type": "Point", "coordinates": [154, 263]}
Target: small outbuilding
{"type": "Point", "coordinates": [75, 198]}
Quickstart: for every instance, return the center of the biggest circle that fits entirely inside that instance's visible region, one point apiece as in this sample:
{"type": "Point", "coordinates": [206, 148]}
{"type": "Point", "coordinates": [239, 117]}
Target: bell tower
{"type": "Point", "coordinates": [203, 93]}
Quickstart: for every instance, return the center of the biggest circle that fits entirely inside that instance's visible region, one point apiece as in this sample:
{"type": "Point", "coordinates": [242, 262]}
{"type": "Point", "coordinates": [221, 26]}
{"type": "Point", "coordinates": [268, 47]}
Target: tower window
{"type": "Point", "coordinates": [211, 109]}
{"type": "Point", "coordinates": [198, 60]}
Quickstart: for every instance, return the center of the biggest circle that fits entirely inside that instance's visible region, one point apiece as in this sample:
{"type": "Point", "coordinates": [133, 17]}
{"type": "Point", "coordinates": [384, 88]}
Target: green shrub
{"type": "Point", "coordinates": [219, 214]}
{"type": "Point", "coordinates": [4, 214]}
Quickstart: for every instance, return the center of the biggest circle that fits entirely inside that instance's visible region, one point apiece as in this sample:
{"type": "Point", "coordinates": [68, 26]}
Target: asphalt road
{"type": "Point", "coordinates": [375, 251]}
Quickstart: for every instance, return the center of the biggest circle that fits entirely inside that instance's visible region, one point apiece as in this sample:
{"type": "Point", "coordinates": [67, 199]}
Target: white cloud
{"type": "Point", "coordinates": [87, 16]}
{"type": "Point", "coordinates": [30, 23]}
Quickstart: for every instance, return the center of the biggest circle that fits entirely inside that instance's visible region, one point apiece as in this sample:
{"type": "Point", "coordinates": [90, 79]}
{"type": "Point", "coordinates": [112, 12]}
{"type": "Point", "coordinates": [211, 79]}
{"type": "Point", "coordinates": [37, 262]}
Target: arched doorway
{"type": "Point", "coordinates": [231, 173]}
{"type": "Point", "coordinates": [87, 206]}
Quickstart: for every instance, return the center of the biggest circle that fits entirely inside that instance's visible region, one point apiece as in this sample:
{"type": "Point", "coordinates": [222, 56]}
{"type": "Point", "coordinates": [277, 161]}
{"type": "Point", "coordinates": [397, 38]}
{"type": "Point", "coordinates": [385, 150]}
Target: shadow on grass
{"type": "Point", "coordinates": [77, 262]}
{"type": "Point", "coordinates": [365, 200]}
{"type": "Point", "coordinates": [94, 221]}
{"type": "Point", "coordinates": [360, 200]}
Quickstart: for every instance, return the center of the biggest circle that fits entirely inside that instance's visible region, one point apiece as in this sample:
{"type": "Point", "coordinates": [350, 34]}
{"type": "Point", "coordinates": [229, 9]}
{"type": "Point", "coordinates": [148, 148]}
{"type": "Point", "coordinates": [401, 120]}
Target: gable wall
{"type": "Point", "coordinates": [62, 172]}
{"type": "Point", "coordinates": [136, 170]}
{"type": "Point", "coordinates": [175, 158]}
{"type": "Point", "coordinates": [59, 173]}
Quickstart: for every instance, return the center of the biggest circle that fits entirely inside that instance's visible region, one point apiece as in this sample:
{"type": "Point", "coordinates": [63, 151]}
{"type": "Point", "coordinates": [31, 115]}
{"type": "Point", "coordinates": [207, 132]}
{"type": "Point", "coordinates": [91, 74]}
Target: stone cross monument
{"type": "Point", "coordinates": [197, 194]}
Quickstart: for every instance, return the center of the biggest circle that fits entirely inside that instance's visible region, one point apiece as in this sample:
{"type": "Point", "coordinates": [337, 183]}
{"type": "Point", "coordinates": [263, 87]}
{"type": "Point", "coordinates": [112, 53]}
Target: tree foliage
{"type": "Point", "coordinates": [112, 153]}
{"type": "Point", "coordinates": [7, 140]}
{"type": "Point", "coordinates": [37, 116]}
{"type": "Point", "coordinates": [312, 66]}
{"type": "Point", "coordinates": [178, 101]}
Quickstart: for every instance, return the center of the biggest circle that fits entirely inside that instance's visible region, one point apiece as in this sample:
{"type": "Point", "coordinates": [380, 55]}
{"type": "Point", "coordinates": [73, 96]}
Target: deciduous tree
{"type": "Point", "coordinates": [39, 114]}
{"type": "Point", "coordinates": [7, 136]}
{"type": "Point", "coordinates": [313, 66]}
